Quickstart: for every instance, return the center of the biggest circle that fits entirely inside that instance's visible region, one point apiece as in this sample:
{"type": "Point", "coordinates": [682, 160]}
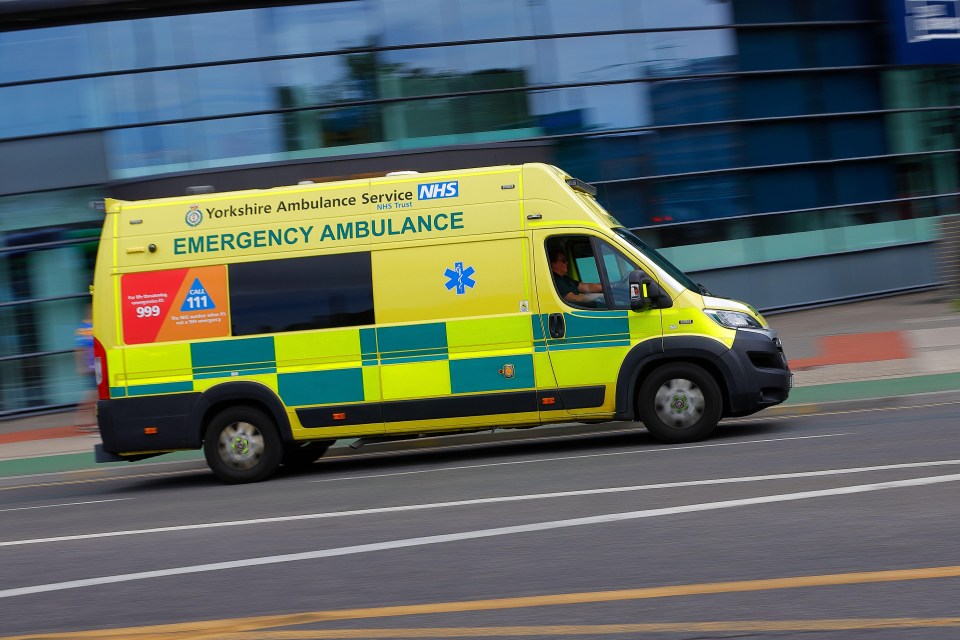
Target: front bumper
{"type": "Point", "coordinates": [760, 377]}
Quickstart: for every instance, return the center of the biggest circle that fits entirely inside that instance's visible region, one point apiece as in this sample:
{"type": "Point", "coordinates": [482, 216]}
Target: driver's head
{"type": "Point", "coordinates": [558, 262]}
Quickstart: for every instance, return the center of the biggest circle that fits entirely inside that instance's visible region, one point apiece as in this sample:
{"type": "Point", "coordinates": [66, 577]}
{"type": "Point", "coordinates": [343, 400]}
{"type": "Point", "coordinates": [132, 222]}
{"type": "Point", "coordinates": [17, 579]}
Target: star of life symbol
{"type": "Point", "coordinates": [459, 278]}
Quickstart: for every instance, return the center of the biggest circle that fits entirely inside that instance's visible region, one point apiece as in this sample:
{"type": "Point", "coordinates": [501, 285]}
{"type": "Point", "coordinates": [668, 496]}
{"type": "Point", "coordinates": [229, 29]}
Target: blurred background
{"type": "Point", "coordinates": [790, 153]}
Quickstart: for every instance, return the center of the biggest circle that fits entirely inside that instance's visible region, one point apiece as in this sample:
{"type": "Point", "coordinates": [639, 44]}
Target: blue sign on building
{"type": "Point", "coordinates": [925, 31]}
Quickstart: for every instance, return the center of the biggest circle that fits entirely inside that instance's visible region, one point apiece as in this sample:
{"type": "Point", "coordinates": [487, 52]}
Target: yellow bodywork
{"type": "Point", "coordinates": [429, 346]}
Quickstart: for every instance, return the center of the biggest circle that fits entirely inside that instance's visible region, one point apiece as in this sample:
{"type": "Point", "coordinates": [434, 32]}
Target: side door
{"type": "Point", "coordinates": [454, 335]}
{"type": "Point", "coordinates": [586, 325]}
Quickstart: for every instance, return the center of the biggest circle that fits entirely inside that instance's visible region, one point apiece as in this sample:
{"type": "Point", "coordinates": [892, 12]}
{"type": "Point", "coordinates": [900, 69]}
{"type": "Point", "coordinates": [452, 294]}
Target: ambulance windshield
{"type": "Point", "coordinates": [657, 259]}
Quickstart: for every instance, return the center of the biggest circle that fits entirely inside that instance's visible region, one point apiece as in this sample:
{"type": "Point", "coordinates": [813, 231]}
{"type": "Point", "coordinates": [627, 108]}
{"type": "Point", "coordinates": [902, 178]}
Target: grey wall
{"type": "Point", "coordinates": [831, 278]}
{"type": "Point", "coordinates": [55, 162]}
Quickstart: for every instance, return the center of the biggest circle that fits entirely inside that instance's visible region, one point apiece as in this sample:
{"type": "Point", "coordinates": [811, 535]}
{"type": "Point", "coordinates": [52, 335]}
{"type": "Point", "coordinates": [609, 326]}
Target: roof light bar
{"type": "Point", "coordinates": [580, 185]}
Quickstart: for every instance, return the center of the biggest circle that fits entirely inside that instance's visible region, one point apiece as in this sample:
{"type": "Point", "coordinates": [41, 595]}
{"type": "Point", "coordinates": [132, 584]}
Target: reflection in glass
{"type": "Point", "coordinates": [328, 81]}
{"type": "Point", "coordinates": [233, 89]}
{"type": "Point", "coordinates": [43, 53]}
{"type": "Point", "coordinates": [683, 13]}
{"type": "Point", "coordinates": [192, 145]}
{"type": "Point", "coordinates": [222, 35]}
{"type": "Point", "coordinates": [698, 198]}
{"type": "Point", "coordinates": [327, 128]}
{"type": "Point", "coordinates": [680, 53]}
{"type": "Point", "coordinates": [455, 116]}
{"type": "Point", "coordinates": [295, 29]}
{"type": "Point", "coordinates": [697, 149]}
{"type": "Point", "coordinates": [413, 21]}
{"type": "Point", "coordinates": [115, 47]}
{"type": "Point", "coordinates": [415, 72]}
{"type": "Point", "coordinates": [43, 108]}
{"type": "Point", "coordinates": [592, 108]}
{"type": "Point", "coordinates": [327, 78]}
{"type": "Point", "coordinates": [687, 101]}
{"type": "Point", "coordinates": [629, 202]}
{"type": "Point", "coordinates": [248, 139]}
{"type": "Point", "coordinates": [490, 19]}
{"type": "Point", "coordinates": [595, 59]}
{"type": "Point", "coordinates": [573, 16]}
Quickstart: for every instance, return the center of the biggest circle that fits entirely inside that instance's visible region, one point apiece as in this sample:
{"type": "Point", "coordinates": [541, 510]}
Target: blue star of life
{"type": "Point", "coordinates": [459, 278]}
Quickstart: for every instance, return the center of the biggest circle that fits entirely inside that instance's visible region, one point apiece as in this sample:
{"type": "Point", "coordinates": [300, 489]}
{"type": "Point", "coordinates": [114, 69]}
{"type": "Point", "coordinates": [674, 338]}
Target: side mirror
{"type": "Point", "coordinates": [647, 294]}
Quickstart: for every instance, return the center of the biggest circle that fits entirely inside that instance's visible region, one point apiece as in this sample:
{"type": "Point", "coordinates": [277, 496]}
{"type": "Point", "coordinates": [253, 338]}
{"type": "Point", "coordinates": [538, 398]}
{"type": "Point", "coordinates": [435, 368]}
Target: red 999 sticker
{"type": "Point", "coordinates": [179, 304]}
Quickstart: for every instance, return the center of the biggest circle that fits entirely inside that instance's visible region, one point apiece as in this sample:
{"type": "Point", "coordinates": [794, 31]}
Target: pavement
{"type": "Point", "coordinates": [892, 351]}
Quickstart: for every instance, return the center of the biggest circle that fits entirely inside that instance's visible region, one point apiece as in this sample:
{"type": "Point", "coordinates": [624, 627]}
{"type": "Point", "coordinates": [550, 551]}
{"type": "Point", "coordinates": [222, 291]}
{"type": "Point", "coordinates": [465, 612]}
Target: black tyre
{"type": "Point", "coordinates": [241, 444]}
{"type": "Point", "coordinates": [299, 456]}
{"type": "Point", "coordinates": [680, 402]}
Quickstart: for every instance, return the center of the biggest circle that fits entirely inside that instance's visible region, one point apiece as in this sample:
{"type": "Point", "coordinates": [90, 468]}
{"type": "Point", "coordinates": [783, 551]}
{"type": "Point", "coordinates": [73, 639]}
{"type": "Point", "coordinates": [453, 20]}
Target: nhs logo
{"type": "Point", "coordinates": [433, 190]}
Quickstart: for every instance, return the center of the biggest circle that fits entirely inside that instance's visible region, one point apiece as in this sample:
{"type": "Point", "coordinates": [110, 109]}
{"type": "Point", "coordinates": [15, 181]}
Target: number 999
{"type": "Point", "coordinates": [148, 311]}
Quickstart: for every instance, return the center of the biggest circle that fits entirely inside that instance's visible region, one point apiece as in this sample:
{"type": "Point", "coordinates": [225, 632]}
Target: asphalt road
{"type": "Point", "coordinates": [828, 525]}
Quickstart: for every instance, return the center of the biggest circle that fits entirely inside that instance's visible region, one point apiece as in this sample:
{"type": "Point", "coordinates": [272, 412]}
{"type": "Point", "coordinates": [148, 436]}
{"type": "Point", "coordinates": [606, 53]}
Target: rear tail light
{"type": "Point", "coordinates": [100, 370]}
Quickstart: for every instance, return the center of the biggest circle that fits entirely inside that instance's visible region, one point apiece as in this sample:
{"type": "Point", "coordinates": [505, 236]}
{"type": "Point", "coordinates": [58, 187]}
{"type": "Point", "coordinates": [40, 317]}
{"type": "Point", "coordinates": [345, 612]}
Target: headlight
{"type": "Point", "coordinates": [733, 319]}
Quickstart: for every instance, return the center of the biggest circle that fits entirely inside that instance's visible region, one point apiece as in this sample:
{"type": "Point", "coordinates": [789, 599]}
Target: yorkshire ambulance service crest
{"type": "Point", "coordinates": [194, 216]}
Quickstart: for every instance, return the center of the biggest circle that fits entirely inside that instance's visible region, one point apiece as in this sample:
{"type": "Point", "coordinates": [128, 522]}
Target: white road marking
{"type": "Point", "coordinates": [581, 457]}
{"type": "Point", "coordinates": [64, 504]}
{"type": "Point", "coordinates": [470, 535]}
{"type": "Point", "coordinates": [476, 501]}
{"type": "Point", "coordinates": [843, 412]}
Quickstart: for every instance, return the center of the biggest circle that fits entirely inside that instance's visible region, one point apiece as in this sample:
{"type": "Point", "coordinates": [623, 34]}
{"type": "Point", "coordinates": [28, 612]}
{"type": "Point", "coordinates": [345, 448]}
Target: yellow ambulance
{"type": "Point", "coordinates": [264, 325]}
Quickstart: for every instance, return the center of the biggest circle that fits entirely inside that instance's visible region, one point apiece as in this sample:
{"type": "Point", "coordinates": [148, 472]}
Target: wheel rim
{"type": "Point", "coordinates": [679, 403]}
{"type": "Point", "coordinates": [241, 445]}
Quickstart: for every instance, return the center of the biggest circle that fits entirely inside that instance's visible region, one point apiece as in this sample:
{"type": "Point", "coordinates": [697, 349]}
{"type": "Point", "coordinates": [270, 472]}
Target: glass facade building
{"type": "Point", "coordinates": [725, 132]}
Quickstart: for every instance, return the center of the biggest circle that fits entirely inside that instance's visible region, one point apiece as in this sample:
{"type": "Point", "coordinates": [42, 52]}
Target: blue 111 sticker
{"type": "Point", "coordinates": [459, 278]}
{"type": "Point", "coordinates": [197, 298]}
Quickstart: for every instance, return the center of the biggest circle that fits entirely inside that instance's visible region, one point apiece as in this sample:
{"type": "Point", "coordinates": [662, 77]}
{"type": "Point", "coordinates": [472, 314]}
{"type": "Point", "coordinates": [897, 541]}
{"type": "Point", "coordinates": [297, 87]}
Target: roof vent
{"type": "Point", "coordinates": [403, 173]}
{"type": "Point", "coordinates": [198, 189]}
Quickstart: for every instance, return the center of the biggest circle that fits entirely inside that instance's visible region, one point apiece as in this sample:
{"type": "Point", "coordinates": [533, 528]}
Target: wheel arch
{"type": "Point", "coordinates": [644, 358]}
{"type": "Point", "coordinates": [240, 393]}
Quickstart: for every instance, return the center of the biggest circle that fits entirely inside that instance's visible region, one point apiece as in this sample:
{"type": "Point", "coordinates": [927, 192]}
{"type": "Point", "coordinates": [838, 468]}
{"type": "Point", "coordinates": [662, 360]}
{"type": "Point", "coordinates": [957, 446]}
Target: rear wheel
{"type": "Point", "coordinates": [680, 402]}
{"type": "Point", "coordinates": [241, 444]}
{"type": "Point", "coordinates": [299, 456]}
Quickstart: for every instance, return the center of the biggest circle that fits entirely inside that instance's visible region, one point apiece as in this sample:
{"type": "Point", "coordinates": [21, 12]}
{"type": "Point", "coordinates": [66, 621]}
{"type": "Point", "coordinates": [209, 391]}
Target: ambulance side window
{"type": "Point", "coordinates": [618, 268]}
{"type": "Point", "coordinates": [575, 272]}
{"type": "Point", "coordinates": [297, 294]}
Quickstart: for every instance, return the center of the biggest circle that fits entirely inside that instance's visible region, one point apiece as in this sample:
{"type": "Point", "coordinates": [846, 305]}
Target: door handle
{"type": "Point", "coordinates": [556, 325]}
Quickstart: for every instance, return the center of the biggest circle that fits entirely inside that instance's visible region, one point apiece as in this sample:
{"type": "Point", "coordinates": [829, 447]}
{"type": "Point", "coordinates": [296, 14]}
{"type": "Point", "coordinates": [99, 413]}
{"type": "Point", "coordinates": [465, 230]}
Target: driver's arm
{"type": "Point", "coordinates": [583, 298]}
{"type": "Point", "coordinates": [591, 287]}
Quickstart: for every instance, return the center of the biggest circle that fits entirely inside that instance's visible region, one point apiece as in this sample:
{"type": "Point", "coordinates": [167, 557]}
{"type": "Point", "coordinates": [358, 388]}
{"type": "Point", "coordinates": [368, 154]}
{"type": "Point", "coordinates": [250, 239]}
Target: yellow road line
{"type": "Point", "coordinates": [220, 629]}
{"type": "Point", "coordinates": [745, 626]}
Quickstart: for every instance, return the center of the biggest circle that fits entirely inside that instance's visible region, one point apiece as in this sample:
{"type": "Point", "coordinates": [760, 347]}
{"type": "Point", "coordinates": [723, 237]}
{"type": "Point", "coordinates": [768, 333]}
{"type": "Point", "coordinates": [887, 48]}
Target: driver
{"type": "Point", "coordinates": [573, 291]}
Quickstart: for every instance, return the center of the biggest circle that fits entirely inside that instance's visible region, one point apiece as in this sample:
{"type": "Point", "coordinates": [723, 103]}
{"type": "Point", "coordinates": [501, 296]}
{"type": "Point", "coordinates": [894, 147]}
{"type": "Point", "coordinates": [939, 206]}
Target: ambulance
{"type": "Point", "coordinates": [261, 326]}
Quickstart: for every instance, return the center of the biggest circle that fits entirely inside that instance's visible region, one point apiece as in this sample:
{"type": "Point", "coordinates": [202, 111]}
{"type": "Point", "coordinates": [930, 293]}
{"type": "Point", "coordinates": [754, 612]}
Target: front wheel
{"type": "Point", "coordinates": [241, 444]}
{"type": "Point", "coordinates": [680, 402]}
